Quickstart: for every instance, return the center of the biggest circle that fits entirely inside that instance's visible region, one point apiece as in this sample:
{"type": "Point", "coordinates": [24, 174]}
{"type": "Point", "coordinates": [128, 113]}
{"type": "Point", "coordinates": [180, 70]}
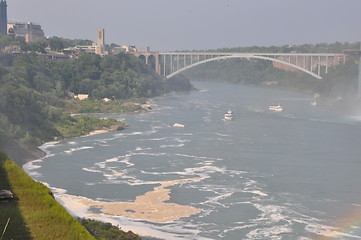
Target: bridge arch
{"type": "Point", "coordinates": [152, 62]}
{"type": "Point", "coordinates": [143, 58]}
{"type": "Point", "coordinates": [244, 57]}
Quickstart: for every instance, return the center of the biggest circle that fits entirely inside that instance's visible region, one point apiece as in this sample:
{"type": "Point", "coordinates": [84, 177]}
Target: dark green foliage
{"type": "Point", "coordinates": [106, 231]}
{"type": "Point", "coordinates": [336, 47]}
{"type": "Point", "coordinates": [58, 43]}
{"type": "Point", "coordinates": [100, 106]}
{"type": "Point", "coordinates": [178, 83]}
{"type": "Point", "coordinates": [34, 90]}
{"type": "Point", "coordinates": [23, 111]}
{"type": "Point", "coordinates": [68, 126]}
{"type": "Point", "coordinates": [341, 82]}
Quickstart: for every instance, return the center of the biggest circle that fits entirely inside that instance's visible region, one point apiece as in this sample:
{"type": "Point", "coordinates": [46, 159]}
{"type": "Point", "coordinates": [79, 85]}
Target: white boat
{"type": "Point", "coordinates": [276, 108]}
{"type": "Point", "coordinates": [228, 115]}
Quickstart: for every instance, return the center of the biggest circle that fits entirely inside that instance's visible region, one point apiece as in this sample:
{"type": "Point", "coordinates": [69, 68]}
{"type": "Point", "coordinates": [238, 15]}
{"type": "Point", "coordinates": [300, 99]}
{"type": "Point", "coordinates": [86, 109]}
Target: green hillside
{"type": "Point", "coordinates": [37, 93]}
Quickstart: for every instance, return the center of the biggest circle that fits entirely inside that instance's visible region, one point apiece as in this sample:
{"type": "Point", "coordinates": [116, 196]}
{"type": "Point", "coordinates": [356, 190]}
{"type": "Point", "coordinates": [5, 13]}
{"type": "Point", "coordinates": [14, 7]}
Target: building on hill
{"type": "Point", "coordinates": [30, 31]}
{"type": "Point", "coordinates": [3, 17]}
{"type": "Point", "coordinates": [95, 48]}
{"type": "Point", "coordinates": [101, 36]}
{"type": "Point", "coordinates": [100, 45]}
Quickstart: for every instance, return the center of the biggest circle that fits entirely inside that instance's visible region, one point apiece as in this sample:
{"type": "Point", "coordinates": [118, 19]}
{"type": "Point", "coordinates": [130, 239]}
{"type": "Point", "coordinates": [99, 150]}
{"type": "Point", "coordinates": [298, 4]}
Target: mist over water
{"type": "Point", "coordinates": [264, 175]}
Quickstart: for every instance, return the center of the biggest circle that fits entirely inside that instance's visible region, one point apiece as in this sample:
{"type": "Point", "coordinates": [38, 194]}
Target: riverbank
{"type": "Point", "coordinates": [21, 154]}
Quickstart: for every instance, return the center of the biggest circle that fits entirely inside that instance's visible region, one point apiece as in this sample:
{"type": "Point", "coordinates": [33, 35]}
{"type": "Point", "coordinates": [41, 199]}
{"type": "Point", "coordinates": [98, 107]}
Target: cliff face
{"type": "Point", "coordinates": [20, 154]}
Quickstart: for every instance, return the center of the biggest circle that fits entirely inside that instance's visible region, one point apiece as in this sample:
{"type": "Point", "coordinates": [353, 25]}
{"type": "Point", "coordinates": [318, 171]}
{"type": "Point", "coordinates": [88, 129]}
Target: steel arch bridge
{"type": "Point", "coordinates": [169, 64]}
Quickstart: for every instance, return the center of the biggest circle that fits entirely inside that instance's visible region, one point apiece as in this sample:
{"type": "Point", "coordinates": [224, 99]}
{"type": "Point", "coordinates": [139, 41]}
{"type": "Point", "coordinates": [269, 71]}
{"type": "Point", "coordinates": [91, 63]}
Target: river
{"type": "Point", "coordinates": [294, 174]}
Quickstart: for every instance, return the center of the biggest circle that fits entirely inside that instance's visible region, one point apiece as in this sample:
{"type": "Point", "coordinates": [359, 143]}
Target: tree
{"type": "Point", "coordinates": [56, 43]}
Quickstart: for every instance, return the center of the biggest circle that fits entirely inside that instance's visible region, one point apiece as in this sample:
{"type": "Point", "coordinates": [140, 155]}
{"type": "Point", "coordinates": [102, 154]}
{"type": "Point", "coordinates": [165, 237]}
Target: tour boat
{"type": "Point", "coordinates": [228, 115]}
{"type": "Point", "coordinates": [276, 108]}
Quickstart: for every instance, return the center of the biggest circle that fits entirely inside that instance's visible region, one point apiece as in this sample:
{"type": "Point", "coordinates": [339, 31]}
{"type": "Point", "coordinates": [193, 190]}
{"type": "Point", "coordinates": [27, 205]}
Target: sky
{"type": "Point", "coordinates": [169, 25]}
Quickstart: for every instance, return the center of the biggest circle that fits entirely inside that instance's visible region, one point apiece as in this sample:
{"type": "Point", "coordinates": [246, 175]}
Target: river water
{"type": "Point", "coordinates": [294, 174]}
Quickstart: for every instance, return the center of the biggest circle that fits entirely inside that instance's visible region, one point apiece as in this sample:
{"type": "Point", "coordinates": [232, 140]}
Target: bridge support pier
{"type": "Point", "coordinates": [151, 58]}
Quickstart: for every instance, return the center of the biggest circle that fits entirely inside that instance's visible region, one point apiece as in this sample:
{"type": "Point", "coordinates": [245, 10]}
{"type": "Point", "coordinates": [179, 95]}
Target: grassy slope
{"type": "Point", "coordinates": [34, 214]}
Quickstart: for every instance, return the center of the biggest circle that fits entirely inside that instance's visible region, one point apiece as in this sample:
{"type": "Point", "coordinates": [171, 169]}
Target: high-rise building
{"type": "Point", "coordinates": [3, 17]}
{"type": "Point", "coordinates": [30, 31]}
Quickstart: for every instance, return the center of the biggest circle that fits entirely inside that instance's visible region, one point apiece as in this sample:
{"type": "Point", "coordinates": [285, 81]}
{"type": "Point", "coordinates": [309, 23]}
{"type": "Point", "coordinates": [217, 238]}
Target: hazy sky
{"type": "Point", "coordinates": [195, 24]}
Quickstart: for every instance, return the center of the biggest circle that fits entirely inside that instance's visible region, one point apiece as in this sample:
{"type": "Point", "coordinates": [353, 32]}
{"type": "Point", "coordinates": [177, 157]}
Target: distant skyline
{"type": "Point", "coordinates": [168, 25]}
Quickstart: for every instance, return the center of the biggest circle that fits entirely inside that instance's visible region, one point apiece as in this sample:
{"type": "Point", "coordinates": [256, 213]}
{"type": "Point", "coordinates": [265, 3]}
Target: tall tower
{"type": "Point", "coordinates": [101, 37]}
{"type": "Point", "coordinates": [3, 17]}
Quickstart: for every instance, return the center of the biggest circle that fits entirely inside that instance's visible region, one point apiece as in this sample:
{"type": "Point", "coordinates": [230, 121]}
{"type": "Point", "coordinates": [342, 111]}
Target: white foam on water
{"type": "Point", "coordinates": [172, 146]}
{"type": "Point", "coordinates": [215, 201]}
{"type": "Point", "coordinates": [113, 175]}
{"type": "Point", "coordinates": [222, 134]}
{"type": "Point", "coordinates": [101, 165]}
{"type": "Point", "coordinates": [271, 233]}
{"type": "Point", "coordinates": [73, 206]}
{"type": "Point", "coordinates": [56, 190]}
{"type": "Point", "coordinates": [153, 139]}
{"type": "Point", "coordinates": [198, 157]}
{"type": "Point", "coordinates": [149, 154]}
{"type": "Point", "coordinates": [47, 145]}
{"type": "Point", "coordinates": [30, 167]}
{"type": "Point", "coordinates": [324, 230]}
{"type": "Point", "coordinates": [126, 159]}
{"type": "Point", "coordinates": [207, 163]}
{"type": "Point", "coordinates": [203, 171]}
{"type": "Point", "coordinates": [257, 192]}
{"type": "Point", "coordinates": [270, 213]}
{"type": "Point", "coordinates": [91, 170]}
{"type": "Point", "coordinates": [142, 149]}
{"type": "Point", "coordinates": [142, 229]}
{"type": "Point", "coordinates": [71, 150]}
{"type": "Point", "coordinates": [184, 134]}
{"type": "Point", "coordinates": [115, 159]}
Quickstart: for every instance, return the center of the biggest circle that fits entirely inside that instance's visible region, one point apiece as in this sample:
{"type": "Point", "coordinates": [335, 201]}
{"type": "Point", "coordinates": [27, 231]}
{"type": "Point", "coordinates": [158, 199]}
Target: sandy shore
{"type": "Point", "coordinates": [150, 207]}
{"type": "Point", "coordinates": [99, 131]}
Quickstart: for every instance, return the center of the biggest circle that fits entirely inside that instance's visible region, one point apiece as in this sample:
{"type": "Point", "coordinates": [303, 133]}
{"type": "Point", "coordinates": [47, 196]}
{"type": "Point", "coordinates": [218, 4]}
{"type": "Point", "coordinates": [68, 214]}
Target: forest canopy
{"type": "Point", "coordinates": [34, 90]}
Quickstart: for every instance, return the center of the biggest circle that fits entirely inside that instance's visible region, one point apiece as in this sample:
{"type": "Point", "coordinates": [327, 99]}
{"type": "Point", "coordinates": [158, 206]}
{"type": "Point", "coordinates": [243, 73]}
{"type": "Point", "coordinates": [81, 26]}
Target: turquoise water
{"type": "Point", "coordinates": [265, 175]}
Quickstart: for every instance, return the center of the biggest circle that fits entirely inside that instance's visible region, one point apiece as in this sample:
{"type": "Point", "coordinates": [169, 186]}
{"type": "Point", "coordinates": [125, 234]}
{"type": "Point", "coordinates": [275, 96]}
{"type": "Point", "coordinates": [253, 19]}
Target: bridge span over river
{"type": "Point", "coordinates": [170, 64]}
